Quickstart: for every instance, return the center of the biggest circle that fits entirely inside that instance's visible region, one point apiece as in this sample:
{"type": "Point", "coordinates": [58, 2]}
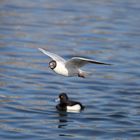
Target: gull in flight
{"type": "Point", "coordinates": [70, 67]}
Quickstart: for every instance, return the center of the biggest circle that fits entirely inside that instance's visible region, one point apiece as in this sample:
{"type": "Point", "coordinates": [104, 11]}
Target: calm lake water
{"type": "Point", "coordinates": [104, 30]}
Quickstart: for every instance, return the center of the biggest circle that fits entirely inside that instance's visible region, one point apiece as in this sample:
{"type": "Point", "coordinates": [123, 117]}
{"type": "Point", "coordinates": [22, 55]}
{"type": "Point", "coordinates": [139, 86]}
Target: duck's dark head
{"type": "Point", "coordinates": [63, 98]}
{"type": "Point", "coordinates": [52, 64]}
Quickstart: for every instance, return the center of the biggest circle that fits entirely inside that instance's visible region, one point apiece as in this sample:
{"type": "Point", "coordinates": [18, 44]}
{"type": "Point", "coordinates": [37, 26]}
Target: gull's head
{"type": "Point", "coordinates": [52, 64]}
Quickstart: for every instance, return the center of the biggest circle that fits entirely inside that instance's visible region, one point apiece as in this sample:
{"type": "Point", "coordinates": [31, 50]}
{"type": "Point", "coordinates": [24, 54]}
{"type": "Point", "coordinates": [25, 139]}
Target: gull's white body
{"type": "Point", "coordinates": [72, 66]}
{"type": "Point", "coordinates": [61, 69]}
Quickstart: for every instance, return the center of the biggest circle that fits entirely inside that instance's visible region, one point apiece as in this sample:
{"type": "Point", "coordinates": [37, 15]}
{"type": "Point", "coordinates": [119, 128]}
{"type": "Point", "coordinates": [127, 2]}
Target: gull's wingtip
{"type": "Point", "coordinates": [107, 64]}
{"type": "Point", "coordinates": [40, 49]}
{"type": "Point", "coordinates": [45, 52]}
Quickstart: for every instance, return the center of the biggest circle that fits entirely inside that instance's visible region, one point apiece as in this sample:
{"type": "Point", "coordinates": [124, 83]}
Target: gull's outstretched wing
{"type": "Point", "coordinates": [52, 55]}
{"type": "Point", "coordinates": [79, 62]}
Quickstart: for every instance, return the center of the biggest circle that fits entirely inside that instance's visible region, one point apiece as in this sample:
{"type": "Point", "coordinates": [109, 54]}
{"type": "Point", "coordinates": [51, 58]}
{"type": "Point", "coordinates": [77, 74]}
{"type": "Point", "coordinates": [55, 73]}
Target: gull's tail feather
{"type": "Point", "coordinates": [84, 74]}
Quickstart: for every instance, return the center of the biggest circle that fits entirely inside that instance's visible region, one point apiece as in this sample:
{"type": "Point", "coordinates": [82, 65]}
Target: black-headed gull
{"type": "Point", "coordinates": [70, 67]}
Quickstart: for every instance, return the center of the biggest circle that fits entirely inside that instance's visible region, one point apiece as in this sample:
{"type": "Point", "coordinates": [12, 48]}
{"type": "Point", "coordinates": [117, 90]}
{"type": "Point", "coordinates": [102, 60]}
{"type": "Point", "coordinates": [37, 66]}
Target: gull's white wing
{"type": "Point", "coordinates": [52, 55]}
{"type": "Point", "coordinates": [79, 62]}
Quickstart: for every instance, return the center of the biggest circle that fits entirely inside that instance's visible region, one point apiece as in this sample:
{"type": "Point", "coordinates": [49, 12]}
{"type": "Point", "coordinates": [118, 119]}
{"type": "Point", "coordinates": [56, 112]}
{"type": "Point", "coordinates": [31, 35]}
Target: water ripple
{"type": "Point", "coordinates": [105, 31]}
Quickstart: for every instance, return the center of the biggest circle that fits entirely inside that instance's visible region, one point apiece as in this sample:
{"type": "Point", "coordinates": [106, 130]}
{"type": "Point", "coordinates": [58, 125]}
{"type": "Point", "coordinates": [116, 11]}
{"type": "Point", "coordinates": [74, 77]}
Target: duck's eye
{"type": "Point", "coordinates": [61, 97]}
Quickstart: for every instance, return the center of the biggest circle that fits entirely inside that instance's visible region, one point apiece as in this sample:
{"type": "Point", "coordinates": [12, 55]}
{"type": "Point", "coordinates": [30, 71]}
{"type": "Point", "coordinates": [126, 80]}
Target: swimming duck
{"type": "Point", "coordinates": [68, 105]}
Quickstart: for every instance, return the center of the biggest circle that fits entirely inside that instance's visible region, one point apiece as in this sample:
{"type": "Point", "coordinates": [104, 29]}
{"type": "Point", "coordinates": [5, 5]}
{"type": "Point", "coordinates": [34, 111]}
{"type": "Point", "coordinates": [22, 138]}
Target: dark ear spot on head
{"type": "Point", "coordinates": [52, 64]}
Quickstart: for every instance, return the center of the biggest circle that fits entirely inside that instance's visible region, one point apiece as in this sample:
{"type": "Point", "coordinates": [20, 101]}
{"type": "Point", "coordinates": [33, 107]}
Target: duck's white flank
{"type": "Point", "coordinates": [74, 108]}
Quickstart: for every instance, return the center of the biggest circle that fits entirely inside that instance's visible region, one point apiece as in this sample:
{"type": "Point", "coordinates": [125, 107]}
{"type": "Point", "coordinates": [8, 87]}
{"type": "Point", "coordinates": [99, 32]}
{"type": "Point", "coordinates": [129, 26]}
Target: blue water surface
{"type": "Point", "coordinates": [104, 30]}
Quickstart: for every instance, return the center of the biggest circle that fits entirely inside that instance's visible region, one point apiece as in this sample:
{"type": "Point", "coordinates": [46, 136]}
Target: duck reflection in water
{"type": "Point", "coordinates": [62, 119]}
